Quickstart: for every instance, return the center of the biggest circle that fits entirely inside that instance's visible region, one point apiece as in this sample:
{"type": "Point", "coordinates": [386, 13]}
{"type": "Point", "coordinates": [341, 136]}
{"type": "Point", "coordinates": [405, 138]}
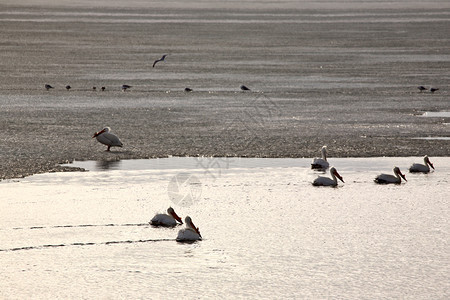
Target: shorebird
{"type": "Point", "coordinates": [190, 233]}
{"type": "Point", "coordinates": [170, 219]}
{"type": "Point", "coordinates": [94, 88]}
{"type": "Point", "coordinates": [422, 88]}
{"type": "Point", "coordinates": [68, 87]}
{"type": "Point", "coordinates": [387, 178]}
{"type": "Point", "coordinates": [125, 87]}
{"type": "Point", "coordinates": [434, 90]}
{"type": "Point", "coordinates": [106, 138]}
{"type": "Point", "coordinates": [419, 168]}
{"type": "Point", "coordinates": [244, 88]}
{"type": "Point", "coordinates": [326, 181]}
{"type": "Point", "coordinates": [103, 88]}
{"type": "Point", "coordinates": [188, 89]}
{"type": "Point", "coordinates": [158, 60]}
{"type": "Point", "coordinates": [48, 86]}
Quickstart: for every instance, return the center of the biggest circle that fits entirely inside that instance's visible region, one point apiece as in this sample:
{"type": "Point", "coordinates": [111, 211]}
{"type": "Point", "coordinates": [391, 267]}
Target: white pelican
{"type": "Point", "coordinates": [244, 88]}
{"type": "Point", "coordinates": [325, 181]}
{"type": "Point", "coordinates": [158, 60]}
{"type": "Point", "coordinates": [167, 220]}
{"type": "Point", "coordinates": [107, 138]}
{"type": "Point", "coordinates": [387, 178]}
{"type": "Point", "coordinates": [321, 163]}
{"type": "Point", "coordinates": [190, 233]}
{"type": "Point", "coordinates": [48, 86]}
{"type": "Point", "coordinates": [419, 168]}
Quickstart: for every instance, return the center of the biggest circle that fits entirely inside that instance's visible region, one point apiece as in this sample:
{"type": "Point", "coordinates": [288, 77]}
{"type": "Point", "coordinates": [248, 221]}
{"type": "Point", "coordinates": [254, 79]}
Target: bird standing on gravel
{"type": "Point", "coordinates": [68, 87]}
{"type": "Point", "coordinates": [434, 90]}
{"type": "Point", "coordinates": [106, 138]}
{"type": "Point", "coordinates": [125, 87]}
{"type": "Point", "coordinates": [244, 88]}
{"type": "Point", "coordinates": [48, 86]}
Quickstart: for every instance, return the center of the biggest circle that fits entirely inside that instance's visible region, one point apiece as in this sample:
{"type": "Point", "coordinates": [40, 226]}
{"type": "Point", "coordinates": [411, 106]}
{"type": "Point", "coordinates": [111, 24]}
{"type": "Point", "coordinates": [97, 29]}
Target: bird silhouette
{"type": "Point", "coordinates": [158, 60]}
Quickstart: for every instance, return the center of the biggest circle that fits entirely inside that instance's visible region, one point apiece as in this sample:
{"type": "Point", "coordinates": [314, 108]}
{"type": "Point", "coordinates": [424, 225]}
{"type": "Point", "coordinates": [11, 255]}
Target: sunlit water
{"type": "Point", "coordinates": [268, 233]}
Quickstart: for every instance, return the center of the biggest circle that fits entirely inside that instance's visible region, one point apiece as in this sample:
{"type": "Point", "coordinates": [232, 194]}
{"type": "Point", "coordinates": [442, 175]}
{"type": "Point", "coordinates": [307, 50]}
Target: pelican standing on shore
{"type": "Point", "coordinates": [106, 138]}
{"type": "Point", "coordinates": [171, 219]}
{"type": "Point", "coordinates": [190, 233]}
{"type": "Point", "coordinates": [419, 168]}
{"type": "Point", "coordinates": [321, 163]}
{"type": "Point", "coordinates": [326, 181]}
{"type": "Point", "coordinates": [158, 60]}
{"type": "Point", "coordinates": [387, 178]}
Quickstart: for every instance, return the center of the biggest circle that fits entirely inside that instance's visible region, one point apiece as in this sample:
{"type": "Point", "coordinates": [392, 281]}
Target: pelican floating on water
{"type": "Point", "coordinates": [158, 60]}
{"type": "Point", "coordinates": [170, 219]}
{"type": "Point", "coordinates": [106, 138]}
{"type": "Point", "coordinates": [387, 178]}
{"type": "Point", "coordinates": [326, 181]}
{"type": "Point", "coordinates": [419, 168]}
{"type": "Point", "coordinates": [190, 233]}
{"type": "Point", "coordinates": [321, 163]}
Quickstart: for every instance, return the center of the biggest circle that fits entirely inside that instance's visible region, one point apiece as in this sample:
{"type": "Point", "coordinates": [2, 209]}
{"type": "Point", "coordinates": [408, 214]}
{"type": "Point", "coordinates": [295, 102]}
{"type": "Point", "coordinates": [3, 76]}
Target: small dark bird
{"type": "Point", "coordinates": [125, 87]}
{"type": "Point", "coordinates": [68, 87]}
{"type": "Point", "coordinates": [94, 88]}
{"type": "Point", "coordinates": [103, 88]}
{"type": "Point", "coordinates": [422, 88]}
{"type": "Point", "coordinates": [434, 90]}
{"type": "Point", "coordinates": [244, 88]}
{"type": "Point", "coordinates": [188, 89]}
{"type": "Point", "coordinates": [158, 60]}
{"type": "Point", "coordinates": [48, 86]}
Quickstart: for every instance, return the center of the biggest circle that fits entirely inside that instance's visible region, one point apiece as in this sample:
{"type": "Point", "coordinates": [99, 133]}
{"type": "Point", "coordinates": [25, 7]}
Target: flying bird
{"type": "Point", "coordinates": [125, 87]}
{"type": "Point", "coordinates": [106, 138]}
{"type": "Point", "coordinates": [422, 88]}
{"type": "Point", "coordinates": [158, 60]}
{"type": "Point", "coordinates": [48, 86]}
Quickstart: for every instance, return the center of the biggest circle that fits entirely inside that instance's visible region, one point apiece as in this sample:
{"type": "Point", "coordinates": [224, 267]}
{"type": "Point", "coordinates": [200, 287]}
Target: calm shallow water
{"type": "Point", "coordinates": [268, 233]}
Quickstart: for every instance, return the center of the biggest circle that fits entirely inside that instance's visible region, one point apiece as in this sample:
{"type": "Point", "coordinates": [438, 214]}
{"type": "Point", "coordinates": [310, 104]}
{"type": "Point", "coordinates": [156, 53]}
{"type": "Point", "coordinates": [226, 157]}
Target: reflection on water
{"type": "Point", "coordinates": [107, 165]}
{"type": "Point", "coordinates": [261, 219]}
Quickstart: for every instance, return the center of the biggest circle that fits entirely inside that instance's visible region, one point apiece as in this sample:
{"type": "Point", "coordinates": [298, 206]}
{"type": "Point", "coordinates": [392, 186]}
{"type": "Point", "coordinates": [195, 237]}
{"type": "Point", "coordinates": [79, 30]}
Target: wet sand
{"type": "Point", "coordinates": [338, 76]}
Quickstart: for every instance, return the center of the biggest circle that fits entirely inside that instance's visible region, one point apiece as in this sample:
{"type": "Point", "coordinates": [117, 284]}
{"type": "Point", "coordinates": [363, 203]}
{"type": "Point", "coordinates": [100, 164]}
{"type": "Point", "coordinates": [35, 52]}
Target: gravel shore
{"type": "Point", "coordinates": [345, 80]}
